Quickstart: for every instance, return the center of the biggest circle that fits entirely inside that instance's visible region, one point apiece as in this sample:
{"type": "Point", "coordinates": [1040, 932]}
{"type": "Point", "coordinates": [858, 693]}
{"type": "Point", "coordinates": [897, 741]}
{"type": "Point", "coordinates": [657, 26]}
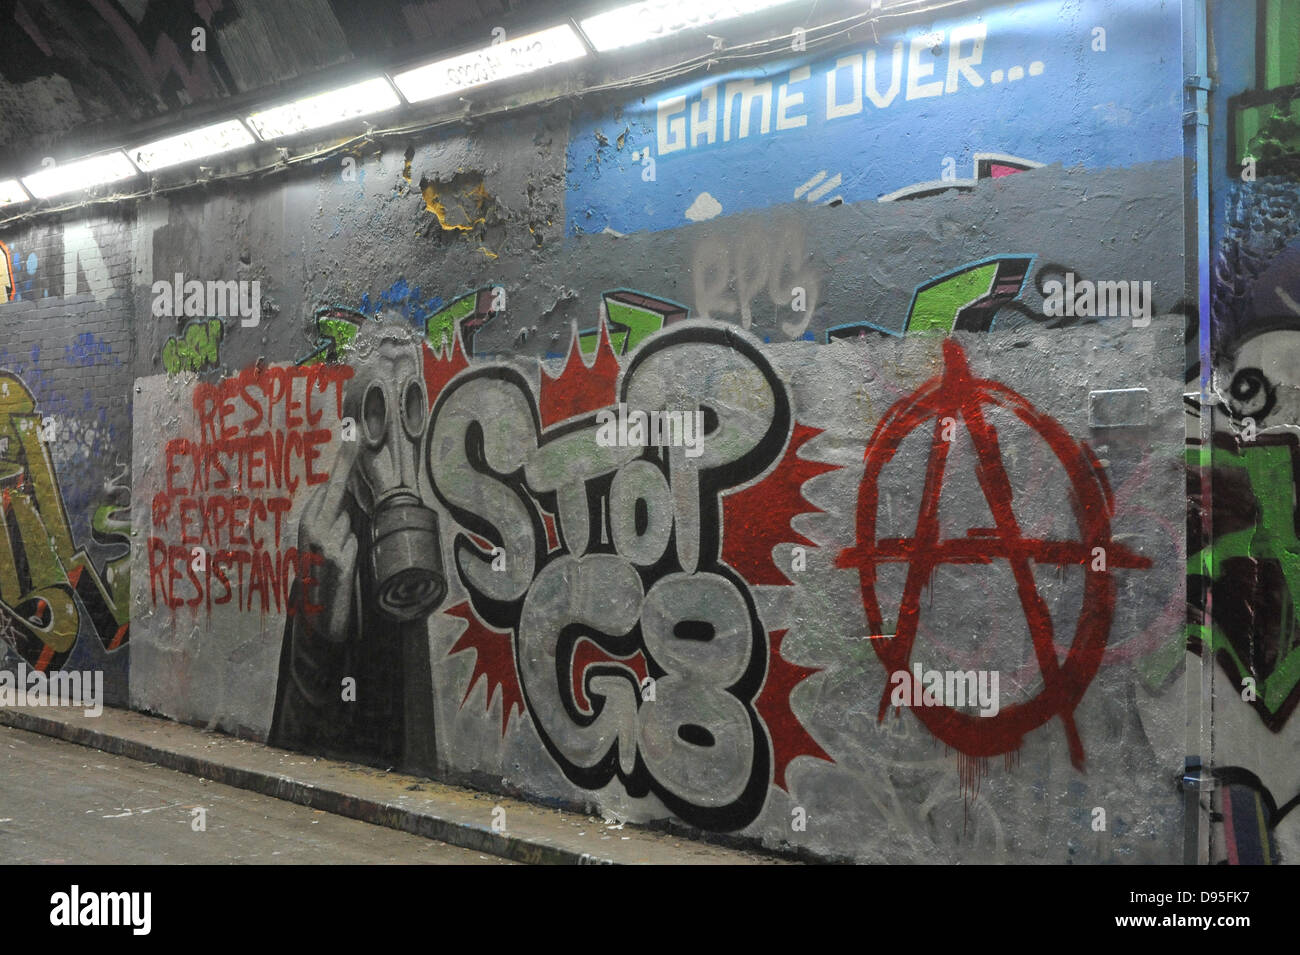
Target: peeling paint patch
{"type": "Point", "coordinates": [459, 205]}
{"type": "Point", "coordinates": [704, 207]}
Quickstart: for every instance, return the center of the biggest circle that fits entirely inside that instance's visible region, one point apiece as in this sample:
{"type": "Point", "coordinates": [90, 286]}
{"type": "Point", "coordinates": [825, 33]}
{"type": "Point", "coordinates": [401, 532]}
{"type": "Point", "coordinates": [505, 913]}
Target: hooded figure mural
{"type": "Point", "coordinates": [354, 675]}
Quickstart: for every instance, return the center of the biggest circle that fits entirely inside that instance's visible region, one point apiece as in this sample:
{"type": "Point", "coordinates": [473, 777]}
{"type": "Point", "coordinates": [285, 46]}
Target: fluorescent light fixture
{"type": "Point", "coordinates": [641, 22]}
{"type": "Point", "coordinates": [79, 174]}
{"type": "Point", "coordinates": [499, 61]}
{"type": "Point", "coordinates": [11, 193]}
{"type": "Point", "coordinates": [325, 109]}
{"type": "Point", "coordinates": [196, 144]}
{"type": "Point", "coordinates": [895, 4]}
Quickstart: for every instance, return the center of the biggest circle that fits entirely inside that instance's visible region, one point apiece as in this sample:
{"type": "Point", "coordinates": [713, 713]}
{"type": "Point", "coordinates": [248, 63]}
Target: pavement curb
{"type": "Point", "coordinates": [424, 821]}
{"type": "Point", "coordinates": [482, 839]}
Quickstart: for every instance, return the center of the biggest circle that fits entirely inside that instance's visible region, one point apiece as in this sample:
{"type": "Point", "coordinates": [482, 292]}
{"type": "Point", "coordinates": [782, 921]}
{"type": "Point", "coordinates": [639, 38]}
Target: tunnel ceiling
{"type": "Point", "coordinates": [79, 65]}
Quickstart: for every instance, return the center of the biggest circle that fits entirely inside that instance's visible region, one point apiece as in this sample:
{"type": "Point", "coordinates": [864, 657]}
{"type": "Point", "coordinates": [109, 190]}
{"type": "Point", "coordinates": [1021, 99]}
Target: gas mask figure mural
{"type": "Point", "coordinates": [354, 668]}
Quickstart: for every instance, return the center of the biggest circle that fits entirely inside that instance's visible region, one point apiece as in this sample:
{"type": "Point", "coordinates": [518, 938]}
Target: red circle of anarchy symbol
{"type": "Point", "coordinates": [957, 394]}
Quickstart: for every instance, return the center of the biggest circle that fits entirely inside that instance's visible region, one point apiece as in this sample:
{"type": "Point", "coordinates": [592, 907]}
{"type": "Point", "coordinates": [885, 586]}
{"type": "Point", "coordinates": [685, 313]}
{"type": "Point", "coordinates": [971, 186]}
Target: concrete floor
{"type": "Point", "coordinates": [64, 803]}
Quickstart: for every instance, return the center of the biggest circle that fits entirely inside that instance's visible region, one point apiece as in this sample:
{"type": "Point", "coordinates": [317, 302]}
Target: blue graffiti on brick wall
{"type": "Point", "coordinates": [85, 431]}
{"type": "Point", "coordinates": [17, 273]}
{"type": "Point", "coordinates": [88, 350]}
{"type": "Point", "coordinates": [1038, 81]}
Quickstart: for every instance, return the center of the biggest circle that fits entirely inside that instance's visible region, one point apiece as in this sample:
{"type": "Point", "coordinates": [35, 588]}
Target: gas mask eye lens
{"type": "Point", "coordinates": [374, 410]}
{"type": "Point", "coordinates": [413, 408]}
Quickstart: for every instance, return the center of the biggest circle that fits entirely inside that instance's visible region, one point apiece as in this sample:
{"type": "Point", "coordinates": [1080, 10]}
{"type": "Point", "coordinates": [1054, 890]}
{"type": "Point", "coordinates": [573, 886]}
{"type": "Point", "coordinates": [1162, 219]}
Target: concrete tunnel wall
{"type": "Point", "coordinates": [382, 522]}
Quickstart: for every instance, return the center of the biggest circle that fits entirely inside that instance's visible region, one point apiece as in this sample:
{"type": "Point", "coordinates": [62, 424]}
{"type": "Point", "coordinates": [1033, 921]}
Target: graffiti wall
{"type": "Point", "coordinates": [700, 458]}
{"type": "Point", "coordinates": [65, 454]}
{"type": "Point", "coordinates": [1242, 567]}
{"type": "Point", "coordinates": [657, 582]}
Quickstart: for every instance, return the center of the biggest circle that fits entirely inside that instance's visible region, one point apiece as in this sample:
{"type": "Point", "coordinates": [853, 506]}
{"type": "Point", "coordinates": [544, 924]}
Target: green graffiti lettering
{"type": "Point", "coordinates": [1272, 537]}
{"type": "Point", "coordinates": [197, 347]}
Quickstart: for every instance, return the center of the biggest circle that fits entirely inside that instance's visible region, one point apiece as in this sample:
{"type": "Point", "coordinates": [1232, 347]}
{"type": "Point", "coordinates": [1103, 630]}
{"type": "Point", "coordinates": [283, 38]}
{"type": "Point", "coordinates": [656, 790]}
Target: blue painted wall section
{"type": "Point", "coordinates": [1028, 83]}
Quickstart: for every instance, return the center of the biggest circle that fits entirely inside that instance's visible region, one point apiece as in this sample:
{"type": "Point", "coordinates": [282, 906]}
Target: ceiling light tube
{"type": "Point", "coordinates": [325, 109]}
{"type": "Point", "coordinates": [643, 22]}
{"type": "Point", "coordinates": [79, 174]}
{"type": "Point", "coordinates": [191, 146]}
{"type": "Point", "coordinates": [500, 61]}
{"type": "Point", "coordinates": [11, 192]}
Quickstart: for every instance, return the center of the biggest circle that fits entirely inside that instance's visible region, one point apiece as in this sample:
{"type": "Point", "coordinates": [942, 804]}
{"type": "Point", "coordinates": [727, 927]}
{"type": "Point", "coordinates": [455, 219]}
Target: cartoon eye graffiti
{"type": "Point", "coordinates": [1252, 394]}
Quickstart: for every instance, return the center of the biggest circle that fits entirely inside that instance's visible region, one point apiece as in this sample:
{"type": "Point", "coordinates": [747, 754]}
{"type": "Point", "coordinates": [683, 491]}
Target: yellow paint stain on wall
{"type": "Point", "coordinates": [456, 211]}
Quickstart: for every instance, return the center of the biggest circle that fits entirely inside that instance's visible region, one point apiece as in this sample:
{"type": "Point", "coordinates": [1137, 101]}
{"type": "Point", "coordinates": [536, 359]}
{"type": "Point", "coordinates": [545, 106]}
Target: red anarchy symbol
{"type": "Point", "coordinates": [956, 394]}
